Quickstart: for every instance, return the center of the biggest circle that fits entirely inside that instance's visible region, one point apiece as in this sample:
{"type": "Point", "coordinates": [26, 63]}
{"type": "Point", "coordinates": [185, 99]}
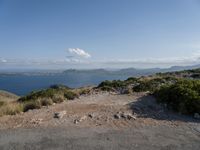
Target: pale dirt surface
{"type": "Point", "coordinates": [97, 128]}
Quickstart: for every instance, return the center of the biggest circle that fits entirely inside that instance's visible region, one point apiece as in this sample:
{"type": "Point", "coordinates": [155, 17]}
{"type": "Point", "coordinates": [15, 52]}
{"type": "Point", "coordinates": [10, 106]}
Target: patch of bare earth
{"type": "Point", "coordinates": [99, 110]}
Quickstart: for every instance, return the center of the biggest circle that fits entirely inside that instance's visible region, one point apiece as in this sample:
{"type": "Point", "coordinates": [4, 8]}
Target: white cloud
{"type": "Point", "coordinates": [194, 58]}
{"type": "Point", "coordinates": [72, 60]}
{"type": "Point", "coordinates": [79, 52]}
{"type": "Point", "coordinates": [2, 60]}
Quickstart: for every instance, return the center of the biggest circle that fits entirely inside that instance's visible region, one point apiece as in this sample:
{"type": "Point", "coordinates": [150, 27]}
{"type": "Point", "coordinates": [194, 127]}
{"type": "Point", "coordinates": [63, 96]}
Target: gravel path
{"type": "Point", "coordinates": [144, 138]}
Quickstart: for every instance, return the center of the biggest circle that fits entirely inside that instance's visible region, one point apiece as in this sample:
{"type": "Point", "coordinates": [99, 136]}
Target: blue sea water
{"type": "Point", "coordinates": [23, 84]}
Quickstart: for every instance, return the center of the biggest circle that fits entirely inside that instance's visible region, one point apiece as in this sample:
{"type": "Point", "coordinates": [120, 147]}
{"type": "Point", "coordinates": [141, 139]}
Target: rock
{"type": "Point", "coordinates": [59, 115]}
{"type": "Point", "coordinates": [91, 115]}
{"type": "Point", "coordinates": [76, 121]}
{"type": "Point", "coordinates": [36, 121]}
{"type": "Point", "coordinates": [123, 115]}
{"type": "Point", "coordinates": [82, 118]}
{"type": "Point", "coordinates": [130, 116]}
{"type": "Point", "coordinates": [117, 116]}
{"type": "Point", "coordinates": [196, 116]}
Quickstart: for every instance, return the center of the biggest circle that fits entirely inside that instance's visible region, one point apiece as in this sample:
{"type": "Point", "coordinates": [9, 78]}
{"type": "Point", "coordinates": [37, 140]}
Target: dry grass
{"type": "Point", "coordinates": [12, 108]}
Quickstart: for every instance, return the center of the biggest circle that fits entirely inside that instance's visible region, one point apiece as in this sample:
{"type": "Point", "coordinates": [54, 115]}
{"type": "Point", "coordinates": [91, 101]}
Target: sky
{"type": "Point", "coordinates": [63, 34]}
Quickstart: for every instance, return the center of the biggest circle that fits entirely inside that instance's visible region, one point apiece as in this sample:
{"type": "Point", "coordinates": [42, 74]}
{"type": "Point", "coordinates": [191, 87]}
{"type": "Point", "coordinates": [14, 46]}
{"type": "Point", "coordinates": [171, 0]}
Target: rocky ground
{"type": "Point", "coordinates": [101, 121]}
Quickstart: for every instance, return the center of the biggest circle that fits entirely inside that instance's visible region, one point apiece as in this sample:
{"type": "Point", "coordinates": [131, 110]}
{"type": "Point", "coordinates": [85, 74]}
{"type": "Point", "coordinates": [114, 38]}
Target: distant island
{"type": "Point", "coordinates": [23, 82]}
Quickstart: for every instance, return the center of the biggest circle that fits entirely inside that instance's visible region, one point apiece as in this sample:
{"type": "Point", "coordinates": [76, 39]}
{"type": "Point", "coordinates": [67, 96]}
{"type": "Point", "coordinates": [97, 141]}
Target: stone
{"type": "Point", "coordinates": [123, 115]}
{"type": "Point", "coordinates": [36, 121]}
{"type": "Point", "coordinates": [91, 115]}
{"type": "Point", "coordinates": [130, 116]}
{"type": "Point", "coordinates": [59, 115]}
{"type": "Point", "coordinates": [117, 116]}
{"type": "Point", "coordinates": [196, 116]}
{"type": "Point", "coordinates": [82, 118]}
{"type": "Point", "coordinates": [76, 121]}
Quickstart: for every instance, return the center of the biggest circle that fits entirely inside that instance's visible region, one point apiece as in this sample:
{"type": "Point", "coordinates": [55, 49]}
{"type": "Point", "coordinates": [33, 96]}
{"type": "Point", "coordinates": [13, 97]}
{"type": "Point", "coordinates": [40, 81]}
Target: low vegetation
{"type": "Point", "coordinates": [57, 93]}
{"type": "Point", "coordinates": [10, 108]}
{"type": "Point", "coordinates": [37, 99]}
{"type": "Point", "coordinates": [112, 85]}
{"type": "Point", "coordinates": [183, 96]}
{"type": "Point", "coordinates": [179, 91]}
{"type": "Point", "coordinates": [46, 97]}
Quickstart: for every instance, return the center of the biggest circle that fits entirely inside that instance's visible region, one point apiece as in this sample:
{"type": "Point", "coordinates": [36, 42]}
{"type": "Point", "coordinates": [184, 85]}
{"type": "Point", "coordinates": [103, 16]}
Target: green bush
{"type": "Point", "coordinates": [70, 95]}
{"type": "Point", "coordinates": [107, 88]}
{"type": "Point", "coordinates": [31, 105]}
{"type": "Point", "coordinates": [46, 93]}
{"type": "Point", "coordinates": [153, 84]}
{"type": "Point", "coordinates": [183, 96]}
{"type": "Point", "coordinates": [83, 91]}
{"type": "Point", "coordinates": [112, 85]}
{"type": "Point", "coordinates": [59, 86]}
{"type": "Point", "coordinates": [46, 101]}
{"type": "Point", "coordinates": [56, 93]}
{"type": "Point", "coordinates": [131, 80]}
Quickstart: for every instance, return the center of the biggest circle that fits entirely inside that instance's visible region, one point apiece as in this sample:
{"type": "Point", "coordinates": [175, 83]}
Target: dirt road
{"type": "Point", "coordinates": [99, 121]}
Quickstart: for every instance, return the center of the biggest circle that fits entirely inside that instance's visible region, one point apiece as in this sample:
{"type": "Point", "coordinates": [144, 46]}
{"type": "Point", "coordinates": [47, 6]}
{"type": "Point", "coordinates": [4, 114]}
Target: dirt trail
{"type": "Point", "coordinates": [96, 109]}
{"type": "Point", "coordinates": [92, 121]}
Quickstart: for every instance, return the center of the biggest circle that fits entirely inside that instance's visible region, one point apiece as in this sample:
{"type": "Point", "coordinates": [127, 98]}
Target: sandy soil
{"type": "Point", "coordinates": [90, 123]}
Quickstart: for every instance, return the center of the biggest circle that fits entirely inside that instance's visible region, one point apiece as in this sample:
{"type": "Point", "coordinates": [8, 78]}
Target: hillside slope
{"type": "Point", "coordinates": [7, 96]}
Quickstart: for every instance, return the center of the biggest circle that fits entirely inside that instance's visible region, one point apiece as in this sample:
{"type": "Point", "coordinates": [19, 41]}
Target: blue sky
{"type": "Point", "coordinates": [54, 34]}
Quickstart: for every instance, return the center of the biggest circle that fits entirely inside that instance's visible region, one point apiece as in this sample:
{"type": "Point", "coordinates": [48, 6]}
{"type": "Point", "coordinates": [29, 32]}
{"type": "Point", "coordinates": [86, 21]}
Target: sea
{"type": "Point", "coordinates": [21, 85]}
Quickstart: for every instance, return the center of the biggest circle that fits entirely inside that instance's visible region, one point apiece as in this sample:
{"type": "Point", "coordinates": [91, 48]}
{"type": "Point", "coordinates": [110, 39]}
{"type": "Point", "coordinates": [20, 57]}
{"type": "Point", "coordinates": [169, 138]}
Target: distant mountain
{"type": "Point", "coordinates": [101, 72]}
{"type": "Point", "coordinates": [130, 71]}
{"type": "Point", "coordinates": [180, 68]}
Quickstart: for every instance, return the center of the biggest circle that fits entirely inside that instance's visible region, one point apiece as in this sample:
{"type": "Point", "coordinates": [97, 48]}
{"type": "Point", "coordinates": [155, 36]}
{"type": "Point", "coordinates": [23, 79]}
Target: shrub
{"type": "Point", "coordinates": [55, 93]}
{"type": "Point", "coordinates": [31, 105]}
{"type": "Point", "coordinates": [70, 95]}
{"type": "Point", "coordinates": [196, 75]}
{"type": "Point", "coordinates": [131, 80]}
{"type": "Point", "coordinates": [153, 84]}
{"type": "Point", "coordinates": [112, 85]}
{"type": "Point", "coordinates": [84, 91]}
{"type": "Point", "coordinates": [107, 88]}
{"type": "Point", "coordinates": [47, 93]}
{"type": "Point", "coordinates": [59, 86]}
{"type": "Point", "coordinates": [46, 101]}
{"type": "Point", "coordinates": [183, 96]}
